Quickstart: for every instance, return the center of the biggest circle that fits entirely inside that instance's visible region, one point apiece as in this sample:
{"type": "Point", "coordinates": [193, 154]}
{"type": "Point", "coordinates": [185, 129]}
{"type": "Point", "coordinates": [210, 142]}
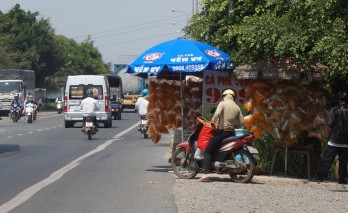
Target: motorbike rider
{"type": "Point", "coordinates": [59, 98]}
{"type": "Point", "coordinates": [141, 105]}
{"type": "Point", "coordinates": [30, 99]}
{"type": "Point", "coordinates": [89, 106]}
{"type": "Point", "coordinates": [15, 101]}
{"type": "Point", "coordinates": [227, 117]}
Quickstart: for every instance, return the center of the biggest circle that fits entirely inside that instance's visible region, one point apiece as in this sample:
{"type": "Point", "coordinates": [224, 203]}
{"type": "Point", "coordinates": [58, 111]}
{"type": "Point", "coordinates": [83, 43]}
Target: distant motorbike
{"type": "Point", "coordinates": [232, 158]}
{"type": "Point", "coordinates": [59, 106]}
{"type": "Point", "coordinates": [88, 126]}
{"type": "Point", "coordinates": [30, 112]}
{"type": "Point", "coordinates": [15, 112]}
{"type": "Point", "coordinates": [143, 127]}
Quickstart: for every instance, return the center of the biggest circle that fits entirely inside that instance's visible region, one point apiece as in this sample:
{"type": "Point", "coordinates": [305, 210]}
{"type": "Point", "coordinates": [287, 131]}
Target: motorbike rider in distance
{"type": "Point", "coordinates": [227, 117]}
{"type": "Point", "coordinates": [15, 101]}
{"type": "Point", "coordinates": [59, 98]}
{"type": "Point", "coordinates": [30, 99]}
{"type": "Point", "coordinates": [89, 106]}
{"type": "Point", "coordinates": [141, 105]}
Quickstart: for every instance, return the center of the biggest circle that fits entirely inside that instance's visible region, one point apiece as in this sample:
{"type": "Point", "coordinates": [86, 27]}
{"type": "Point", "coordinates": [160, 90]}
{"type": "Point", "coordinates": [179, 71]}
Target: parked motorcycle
{"type": "Point", "coordinates": [30, 112]}
{"type": "Point", "coordinates": [88, 127]}
{"type": "Point", "coordinates": [232, 158]}
{"type": "Point", "coordinates": [143, 127]}
{"type": "Point", "coordinates": [15, 112]}
{"type": "Point", "coordinates": [59, 106]}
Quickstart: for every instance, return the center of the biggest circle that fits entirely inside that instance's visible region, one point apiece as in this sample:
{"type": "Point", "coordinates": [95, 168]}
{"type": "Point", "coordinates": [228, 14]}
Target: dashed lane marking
{"type": "Point", "coordinates": [32, 190]}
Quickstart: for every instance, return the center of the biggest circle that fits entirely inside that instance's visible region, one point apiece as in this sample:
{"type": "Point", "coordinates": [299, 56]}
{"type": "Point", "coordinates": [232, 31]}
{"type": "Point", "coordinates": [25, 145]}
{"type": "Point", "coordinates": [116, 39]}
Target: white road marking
{"type": "Point", "coordinates": [32, 190]}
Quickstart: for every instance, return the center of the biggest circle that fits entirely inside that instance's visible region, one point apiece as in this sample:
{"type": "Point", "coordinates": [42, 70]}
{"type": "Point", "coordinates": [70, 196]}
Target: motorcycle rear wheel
{"type": "Point", "coordinates": [89, 133]}
{"type": "Point", "coordinates": [249, 172]}
{"type": "Point", "coordinates": [185, 168]}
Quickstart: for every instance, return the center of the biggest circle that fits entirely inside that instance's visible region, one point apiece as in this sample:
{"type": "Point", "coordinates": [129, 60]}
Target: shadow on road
{"type": "Point", "coordinates": [9, 148]}
{"type": "Point", "coordinates": [159, 169]}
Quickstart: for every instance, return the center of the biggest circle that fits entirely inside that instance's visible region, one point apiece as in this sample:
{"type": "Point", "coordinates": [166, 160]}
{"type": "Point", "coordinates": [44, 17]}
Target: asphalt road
{"type": "Point", "coordinates": [48, 168]}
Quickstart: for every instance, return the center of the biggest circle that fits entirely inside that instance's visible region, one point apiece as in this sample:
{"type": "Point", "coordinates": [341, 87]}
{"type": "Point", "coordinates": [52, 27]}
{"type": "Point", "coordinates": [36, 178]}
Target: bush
{"type": "Point", "coordinates": [296, 162]}
{"type": "Point", "coordinates": [47, 106]}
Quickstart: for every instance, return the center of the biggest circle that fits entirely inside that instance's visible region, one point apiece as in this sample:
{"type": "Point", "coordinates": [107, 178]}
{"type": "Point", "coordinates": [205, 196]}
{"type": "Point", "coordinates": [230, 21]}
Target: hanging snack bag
{"type": "Point", "coordinates": [205, 135]}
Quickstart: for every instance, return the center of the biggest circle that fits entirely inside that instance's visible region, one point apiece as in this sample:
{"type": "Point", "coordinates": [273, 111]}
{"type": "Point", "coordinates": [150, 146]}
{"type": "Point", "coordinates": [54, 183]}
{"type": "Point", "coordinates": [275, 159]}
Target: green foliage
{"type": "Point", "coordinates": [27, 42]}
{"type": "Point", "coordinates": [309, 34]}
{"type": "Point", "coordinates": [296, 162]}
{"type": "Point", "coordinates": [48, 106]}
{"type": "Point", "coordinates": [265, 147]}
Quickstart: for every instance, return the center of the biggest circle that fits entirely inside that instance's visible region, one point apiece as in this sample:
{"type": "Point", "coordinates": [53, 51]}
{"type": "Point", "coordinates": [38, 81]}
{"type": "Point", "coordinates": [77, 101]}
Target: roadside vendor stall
{"type": "Point", "coordinates": [293, 111]}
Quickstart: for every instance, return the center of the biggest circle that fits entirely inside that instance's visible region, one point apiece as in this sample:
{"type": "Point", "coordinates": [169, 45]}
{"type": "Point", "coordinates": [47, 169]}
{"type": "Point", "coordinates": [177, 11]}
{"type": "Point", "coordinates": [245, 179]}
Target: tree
{"type": "Point", "coordinates": [27, 42]}
{"type": "Point", "coordinates": [309, 34]}
{"type": "Point", "coordinates": [75, 59]}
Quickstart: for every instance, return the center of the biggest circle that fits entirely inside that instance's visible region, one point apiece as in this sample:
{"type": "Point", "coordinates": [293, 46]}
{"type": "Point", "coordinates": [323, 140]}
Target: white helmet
{"type": "Point", "coordinates": [229, 91]}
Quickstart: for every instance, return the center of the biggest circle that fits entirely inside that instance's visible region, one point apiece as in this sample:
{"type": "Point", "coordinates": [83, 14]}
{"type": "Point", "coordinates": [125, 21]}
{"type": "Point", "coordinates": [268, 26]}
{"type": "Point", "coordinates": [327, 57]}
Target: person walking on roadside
{"type": "Point", "coordinates": [338, 141]}
{"type": "Point", "coordinates": [227, 117]}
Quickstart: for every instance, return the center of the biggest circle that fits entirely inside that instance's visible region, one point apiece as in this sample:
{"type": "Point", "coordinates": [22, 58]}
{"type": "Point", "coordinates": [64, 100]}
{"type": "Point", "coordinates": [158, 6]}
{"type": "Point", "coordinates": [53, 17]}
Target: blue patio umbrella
{"type": "Point", "coordinates": [177, 56]}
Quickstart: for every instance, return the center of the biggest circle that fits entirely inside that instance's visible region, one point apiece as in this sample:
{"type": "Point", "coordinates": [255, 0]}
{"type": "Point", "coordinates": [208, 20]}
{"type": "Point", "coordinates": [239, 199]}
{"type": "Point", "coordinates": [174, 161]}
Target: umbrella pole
{"type": "Point", "coordinates": [286, 160]}
{"type": "Point", "coordinates": [182, 110]}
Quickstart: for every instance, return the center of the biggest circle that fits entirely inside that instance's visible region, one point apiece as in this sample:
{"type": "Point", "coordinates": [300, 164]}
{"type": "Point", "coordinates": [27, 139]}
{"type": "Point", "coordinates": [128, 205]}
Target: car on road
{"type": "Point", "coordinates": [76, 91]}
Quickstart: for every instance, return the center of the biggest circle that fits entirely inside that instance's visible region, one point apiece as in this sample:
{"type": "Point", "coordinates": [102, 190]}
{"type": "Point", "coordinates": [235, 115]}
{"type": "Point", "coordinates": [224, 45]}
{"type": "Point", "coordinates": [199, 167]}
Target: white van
{"type": "Point", "coordinates": [75, 91]}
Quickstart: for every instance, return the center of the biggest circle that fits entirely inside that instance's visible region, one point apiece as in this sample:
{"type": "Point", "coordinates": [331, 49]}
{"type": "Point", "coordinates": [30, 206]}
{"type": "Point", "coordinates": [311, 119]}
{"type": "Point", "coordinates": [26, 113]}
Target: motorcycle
{"type": "Point", "coordinates": [30, 111]}
{"type": "Point", "coordinates": [143, 128]}
{"type": "Point", "coordinates": [232, 158]}
{"type": "Point", "coordinates": [59, 106]}
{"type": "Point", "coordinates": [15, 111]}
{"type": "Point", "coordinates": [88, 127]}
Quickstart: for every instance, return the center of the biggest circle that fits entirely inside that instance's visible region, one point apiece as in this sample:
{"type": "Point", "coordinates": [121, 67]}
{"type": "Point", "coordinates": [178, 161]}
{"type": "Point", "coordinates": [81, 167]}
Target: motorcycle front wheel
{"type": "Point", "coordinates": [248, 173]}
{"type": "Point", "coordinates": [184, 167]}
{"type": "Point", "coordinates": [30, 119]}
{"type": "Point", "coordinates": [13, 117]}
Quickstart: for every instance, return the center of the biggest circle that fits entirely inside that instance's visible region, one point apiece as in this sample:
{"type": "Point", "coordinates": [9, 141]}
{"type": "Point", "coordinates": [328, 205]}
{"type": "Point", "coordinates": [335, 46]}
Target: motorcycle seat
{"type": "Point", "coordinates": [232, 138]}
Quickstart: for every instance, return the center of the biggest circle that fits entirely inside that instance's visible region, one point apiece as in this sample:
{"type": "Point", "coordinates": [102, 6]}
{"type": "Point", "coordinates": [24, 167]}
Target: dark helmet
{"type": "Point", "coordinates": [342, 96]}
{"type": "Point", "coordinates": [145, 92]}
{"type": "Point", "coordinates": [89, 93]}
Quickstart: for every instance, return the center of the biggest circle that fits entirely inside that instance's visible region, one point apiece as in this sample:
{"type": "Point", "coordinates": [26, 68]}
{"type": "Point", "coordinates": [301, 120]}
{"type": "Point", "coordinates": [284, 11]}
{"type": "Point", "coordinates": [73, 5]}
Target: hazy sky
{"type": "Point", "coordinates": [118, 27]}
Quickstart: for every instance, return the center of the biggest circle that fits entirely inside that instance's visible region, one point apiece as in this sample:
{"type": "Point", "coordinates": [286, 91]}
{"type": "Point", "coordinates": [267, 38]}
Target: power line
{"type": "Point", "coordinates": [124, 42]}
{"type": "Point", "coordinates": [127, 31]}
{"type": "Point", "coordinates": [84, 4]}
